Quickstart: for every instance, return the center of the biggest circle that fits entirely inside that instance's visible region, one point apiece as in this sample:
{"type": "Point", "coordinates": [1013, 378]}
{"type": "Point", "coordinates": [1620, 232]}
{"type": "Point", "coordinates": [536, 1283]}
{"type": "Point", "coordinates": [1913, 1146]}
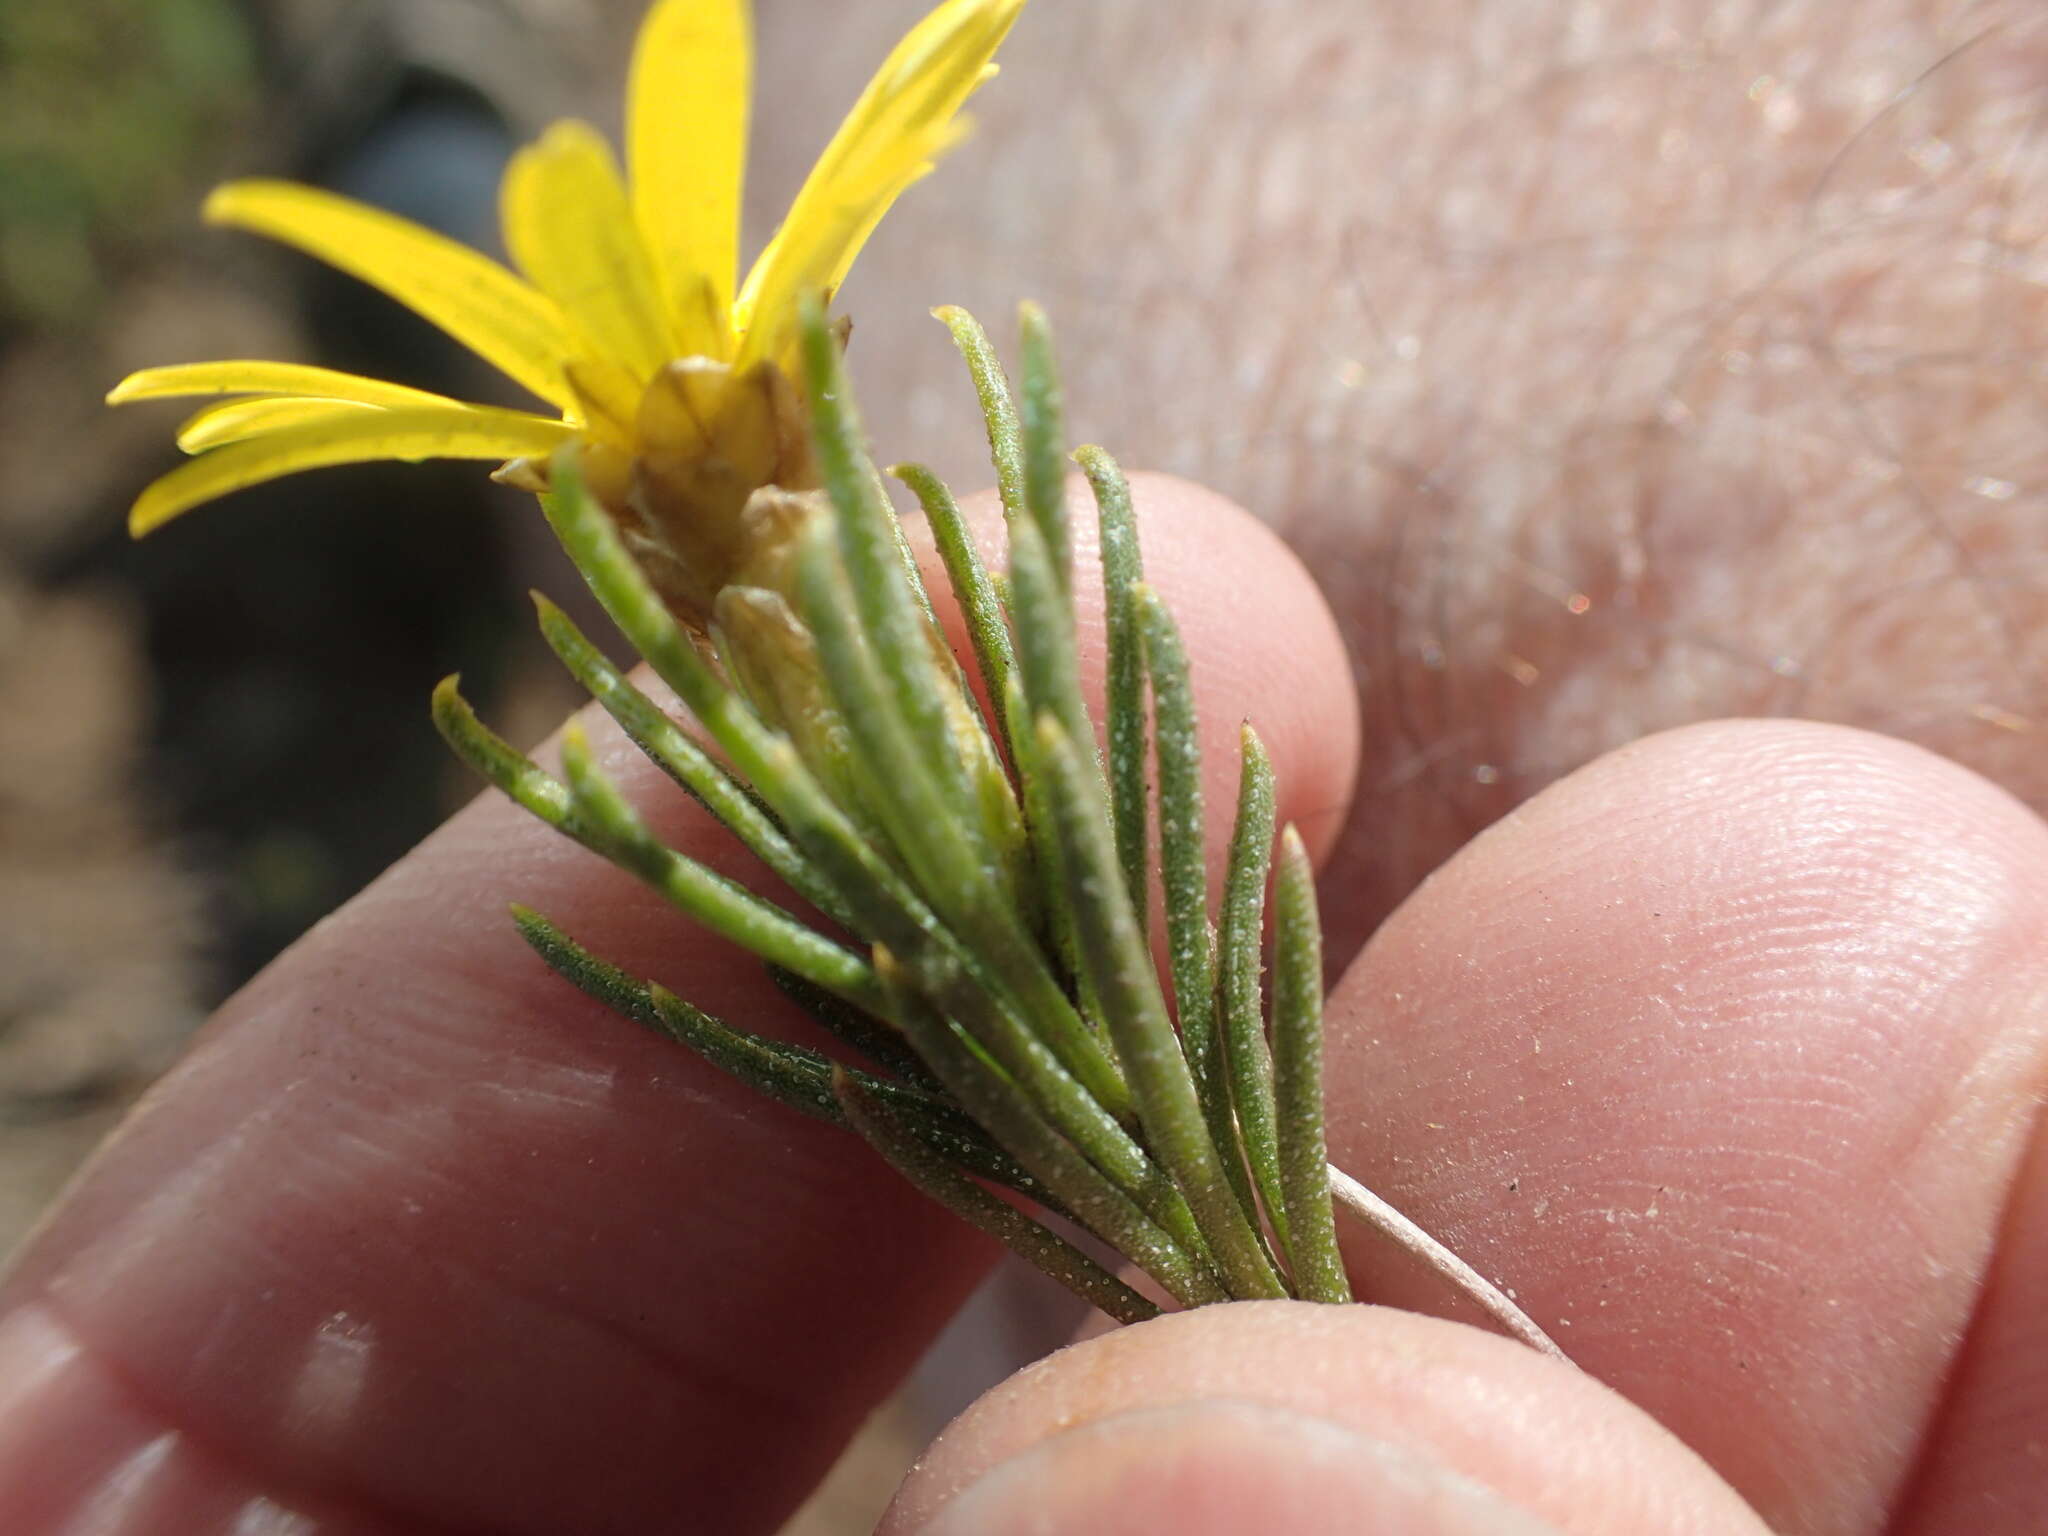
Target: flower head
{"type": "Point", "coordinates": [627, 314]}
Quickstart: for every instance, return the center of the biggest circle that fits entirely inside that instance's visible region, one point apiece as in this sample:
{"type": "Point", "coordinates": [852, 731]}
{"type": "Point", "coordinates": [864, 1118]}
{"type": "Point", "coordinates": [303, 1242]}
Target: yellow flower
{"type": "Point", "coordinates": [629, 320]}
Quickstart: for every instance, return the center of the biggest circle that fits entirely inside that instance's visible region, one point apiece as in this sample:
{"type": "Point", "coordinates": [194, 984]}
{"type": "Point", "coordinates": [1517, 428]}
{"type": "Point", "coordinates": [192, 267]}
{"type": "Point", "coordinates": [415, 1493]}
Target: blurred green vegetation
{"type": "Point", "coordinates": [104, 108]}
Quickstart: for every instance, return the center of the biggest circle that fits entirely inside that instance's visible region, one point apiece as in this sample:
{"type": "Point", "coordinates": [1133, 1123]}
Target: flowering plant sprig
{"type": "Point", "coordinates": [978, 859]}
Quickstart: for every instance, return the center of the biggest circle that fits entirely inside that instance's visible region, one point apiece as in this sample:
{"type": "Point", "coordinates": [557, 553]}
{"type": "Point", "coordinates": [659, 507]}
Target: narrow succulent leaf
{"type": "Point", "coordinates": [979, 734]}
{"type": "Point", "coordinates": [802, 1079]}
{"type": "Point", "coordinates": [1247, 1060]}
{"type": "Point", "coordinates": [613, 828]}
{"type": "Point", "coordinates": [1031, 1241]}
{"type": "Point", "coordinates": [619, 991]}
{"type": "Point", "coordinates": [673, 750]}
{"type": "Point", "coordinates": [517, 776]}
{"type": "Point", "coordinates": [926, 830]}
{"type": "Point", "coordinates": [1312, 1251]}
{"type": "Point", "coordinates": [1082, 1187]}
{"type": "Point", "coordinates": [763, 757]}
{"type": "Point", "coordinates": [998, 408]}
{"type": "Point", "coordinates": [1117, 960]}
{"type": "Point", "coordinates": [790, 1074]}
{"type": "Point", "coordinates": [1183, 851]}
{"type": "Point", "coordinates": [1051, 1093]}
{"type": "Point", "coordinates": [1125, 725]}
{"type": "Point", "coordinates": [893, 617]}
{"type": "Point", "coordinates": [590, 810]}
{"type": "Point", "coordinates": [972, 589]}
{"type": "Point", "coordinates": [1057, 922]}
{"type": "Point", "coordinates": [1045, 443]}
{"type": "Point", "coordinates": [910, 638]}
{"type": "Point", "coordinates": [1042, 626]}
{"type": "Point", "coordinates": [1184, 875]}
{"type": "Point", "coordinates": [875, 1038]}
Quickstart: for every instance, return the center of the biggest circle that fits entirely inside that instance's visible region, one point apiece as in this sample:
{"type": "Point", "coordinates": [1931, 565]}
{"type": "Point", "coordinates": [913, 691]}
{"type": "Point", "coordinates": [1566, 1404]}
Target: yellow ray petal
{"type": "Point", "coordinates": [262, 378]}
{"type": "Point", "coordinates": [906, 118]}
{"type": "Point", "coordinates": [472, 298]}
{"type": "Point", "coordinates": [686, 149]}
{"type": "Point", "coordinates": [814, 257]}
{"type": "Point", "coordinates": [230, 421]}
{"type": "Point", "coordinates": [461, 432]}
{"type": "Point", "coordinates": [570, 229]}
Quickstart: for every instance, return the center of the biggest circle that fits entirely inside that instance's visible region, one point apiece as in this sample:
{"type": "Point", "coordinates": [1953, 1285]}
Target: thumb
{"type": "Point", "coordinates": [1291, 1419]}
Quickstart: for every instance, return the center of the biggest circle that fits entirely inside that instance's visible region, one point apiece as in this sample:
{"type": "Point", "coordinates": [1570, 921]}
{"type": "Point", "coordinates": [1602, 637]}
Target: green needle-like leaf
{"type": "Point", "coordinates": [1120, 967]}
{"type": "Point", "coordinates": [1184, 873]}
{"type": "Point", "coordinates": [1122, 571]}
{"type": "Point", "coordinates": [613, 828]}
{"type": "Point", "coordinates": [1045, 443]}
{"type": "Point", "coordinates": [1298, 1078]}
{"type": "Point", "coordinates": [618, 990]}
{"type": "Point", "coordinates": [1246, 1059]}
{"type": "Point", "coordinates": [873, 1037]}
{"type": "Point", "coordinates": [1042, 623]}
{"type": "Point", "coordinates": [998, 409]}
{"type": "Point", "coordinates": [926, 834]}
{"type": "Point", "coordinates": [980, 1087]}
{"type": "Point", "coordinates": [1183, 852]}
{"type": "Point", "coordinates": [870, 545]}
{"type": "Point", "coordinates": [972, 588]}
{"type": "Point", "coordinates": [1029, 1240]}
{"type": "Point", "coordinates": [672, 750]}
{"type": "Point", "coordinates": [516, 775]}
{"type": "Point", "coordinates": [787, 1073]}
{"type": "Point", "coordinates": [991, 861]}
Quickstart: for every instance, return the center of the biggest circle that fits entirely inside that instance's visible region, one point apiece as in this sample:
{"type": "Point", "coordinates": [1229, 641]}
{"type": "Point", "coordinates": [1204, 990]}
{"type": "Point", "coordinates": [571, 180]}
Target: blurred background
{"type": "Point", "coordinates": [209, 740]}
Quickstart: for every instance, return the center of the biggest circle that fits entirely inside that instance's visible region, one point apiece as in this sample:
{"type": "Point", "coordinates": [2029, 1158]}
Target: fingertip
{"type": "Point", "coordinates": [1287, 1417]}
{"type": "Point", "coordinates": [1222, 1468]}
{"type": "Point", "coordinates": [1721, 1052]}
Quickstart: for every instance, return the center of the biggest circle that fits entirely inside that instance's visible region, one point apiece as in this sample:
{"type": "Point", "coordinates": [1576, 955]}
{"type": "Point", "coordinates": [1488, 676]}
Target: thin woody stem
{"type": "Point", "coordinates": [1356, 1200]}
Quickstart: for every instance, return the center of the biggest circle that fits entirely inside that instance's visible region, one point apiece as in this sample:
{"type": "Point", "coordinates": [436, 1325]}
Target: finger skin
{"type": "Point", "coordinates": [1986, 1467]}
{"type": "Point", "coordinates": [1722, 1056]}
{"type": "Point", "coordinates": [419, 1233]}
{"type": "Point", "coordinates": [1295, 1419]}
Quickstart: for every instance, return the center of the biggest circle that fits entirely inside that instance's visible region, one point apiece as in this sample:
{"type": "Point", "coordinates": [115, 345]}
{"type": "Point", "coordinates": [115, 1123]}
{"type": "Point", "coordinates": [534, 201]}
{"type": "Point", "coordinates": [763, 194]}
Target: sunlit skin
{"type": "Point", "coordinates": [1726, 1051]}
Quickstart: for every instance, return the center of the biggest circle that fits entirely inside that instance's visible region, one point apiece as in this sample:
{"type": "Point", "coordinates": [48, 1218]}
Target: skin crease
{"type": "Point", "coordinates": [1612, 366]}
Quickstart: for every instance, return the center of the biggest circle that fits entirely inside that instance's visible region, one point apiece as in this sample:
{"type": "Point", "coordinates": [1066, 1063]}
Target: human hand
{"type": "Point", "coordinates": [453, 1252]}
{"type": "Point", "coordinates": [1719, 1054]}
